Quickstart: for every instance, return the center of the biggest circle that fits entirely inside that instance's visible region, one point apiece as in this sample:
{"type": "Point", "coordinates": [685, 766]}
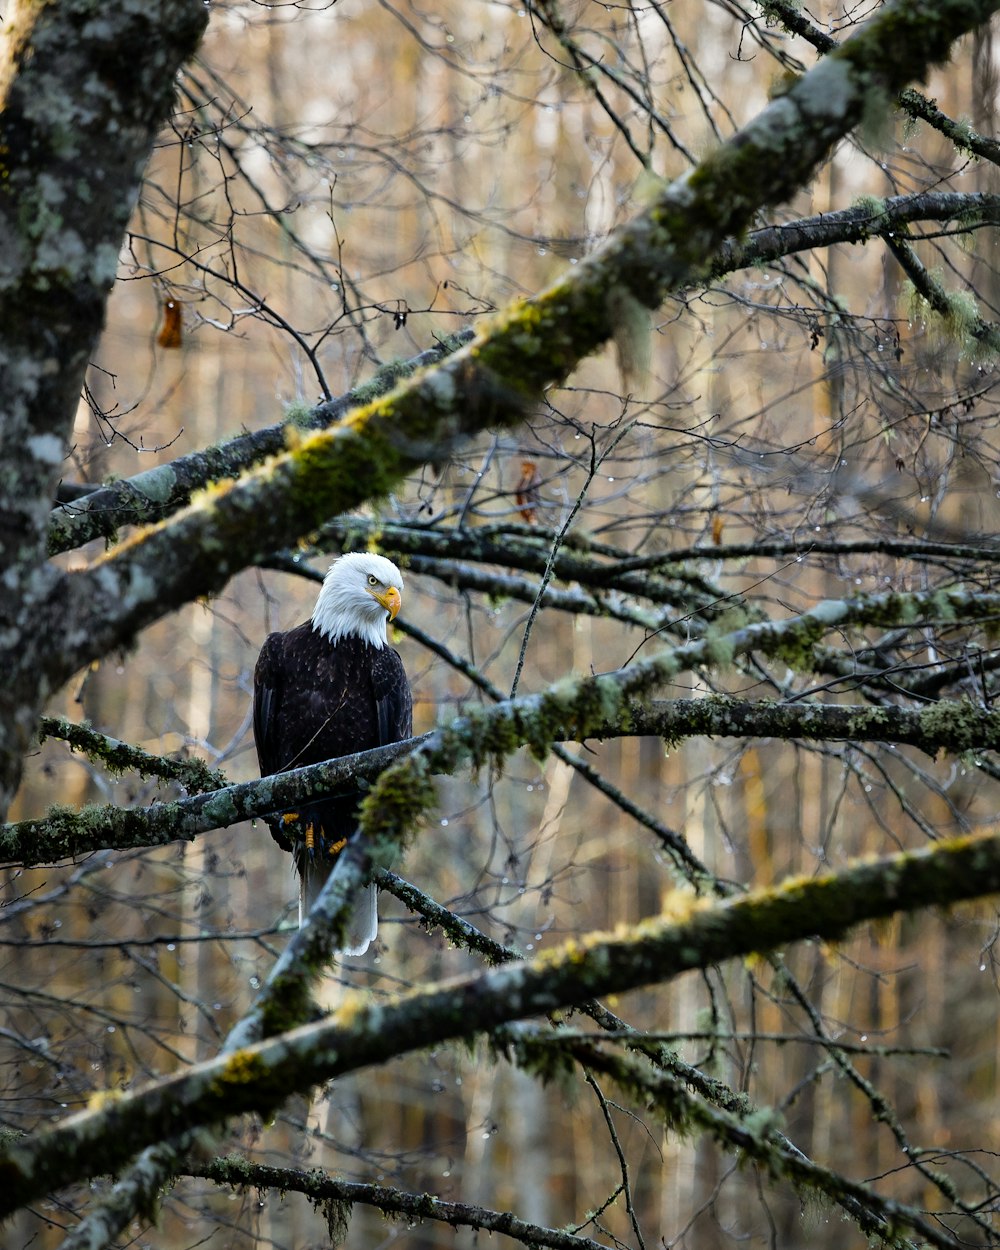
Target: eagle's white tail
{"type": "Point", "coordinates": [362, 924]}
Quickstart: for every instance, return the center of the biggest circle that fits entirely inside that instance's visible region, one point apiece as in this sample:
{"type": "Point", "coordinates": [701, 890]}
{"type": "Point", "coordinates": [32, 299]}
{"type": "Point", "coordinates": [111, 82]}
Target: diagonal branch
{"type": "Point", "coordinates": [154, 493]}
{"type": "Point", "coordinates": [691, 1096]}
{"type": "Point", "coordinates": [958, 311]}
{"type": "Point", "coordinates": [913, 102]}
{"type": "Point", "coordinates": [758, 1139]}
{"type": "Point", "coordinates": [284, 1002]}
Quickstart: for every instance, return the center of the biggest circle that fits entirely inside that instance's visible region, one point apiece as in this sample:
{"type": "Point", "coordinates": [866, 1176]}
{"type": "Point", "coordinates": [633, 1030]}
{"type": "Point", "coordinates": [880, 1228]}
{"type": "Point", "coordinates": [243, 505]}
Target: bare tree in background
{"type": "Point", "coordinates": [656, 344]}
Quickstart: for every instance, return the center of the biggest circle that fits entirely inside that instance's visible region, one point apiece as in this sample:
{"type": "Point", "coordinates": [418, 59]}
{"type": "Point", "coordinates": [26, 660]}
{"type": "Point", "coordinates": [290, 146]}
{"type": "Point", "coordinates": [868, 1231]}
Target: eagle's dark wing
{"type": "Point", "coordinates": [268, 686]}
{"type": "Point", "coordinates": [393, 701]}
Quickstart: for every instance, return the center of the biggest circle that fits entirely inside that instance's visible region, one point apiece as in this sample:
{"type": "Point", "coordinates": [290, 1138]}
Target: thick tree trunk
{"type": "Point", "coordinates": [84, 88]}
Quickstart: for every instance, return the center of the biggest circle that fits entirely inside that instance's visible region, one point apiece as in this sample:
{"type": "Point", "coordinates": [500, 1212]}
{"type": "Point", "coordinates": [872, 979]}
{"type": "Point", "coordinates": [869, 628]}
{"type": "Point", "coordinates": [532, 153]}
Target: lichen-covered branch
{"type": "Point", "coordinates": [857, 224]}
{"type": "Point", "coordinates": [958, 310]}
{"type": "Point", "coordinates": [120, 757]}
{"type": "Point", "coordinates": [913, 102]}
{"type": "Point", "coordinates": [64, 833]}
{"type": "Point", "coordinates": [962, 135]}
{"type": "Point", "coordinates": [575, 709]}
{"type": "Point", "coordinates": [756, 1135]}
{"type": "Point", "coordinates": [694, 1099]}
{"type": "Point", "coordinates": [364, 1032]}
{"type": "Point", "coordinates": [953, 727]}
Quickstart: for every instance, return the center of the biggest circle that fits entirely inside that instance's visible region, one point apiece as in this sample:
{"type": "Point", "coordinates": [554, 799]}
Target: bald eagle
{"type": "Point", "coordinates": [331, 687]}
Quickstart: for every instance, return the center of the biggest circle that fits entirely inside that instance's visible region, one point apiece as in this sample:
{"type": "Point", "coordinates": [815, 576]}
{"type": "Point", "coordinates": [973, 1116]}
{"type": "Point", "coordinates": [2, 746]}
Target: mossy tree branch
{"type": "Point", "coordinates": [259, 1077]}
{"type": "Point", "coordinates": [609, 705]}
{"type": "Point", "coordinates": [120, 757]}
{"type": "Point", "coordinates": [754, 1134]}
{"type": "Point", "coordinates": [576, 709]}
{"type": "Point", "coordinates": [156, 493]}
{"type": "Point", "coordinates": [65, 833]}
{"type": "Point", "coordinates": [696, 1099]}
{"type": "Point", "coordinates": [917, 105]}
{"type": "Point", "coordinates": [959, 312]}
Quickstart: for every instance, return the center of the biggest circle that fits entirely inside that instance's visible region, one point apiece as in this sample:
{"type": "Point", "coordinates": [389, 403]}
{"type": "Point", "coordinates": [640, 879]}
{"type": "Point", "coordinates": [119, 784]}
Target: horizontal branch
{"type": "Point", "coordinates": [577, 709]}
{"type": "Point", "coordinates": [65, 834]}
{"type": "Point", "coordinates": [954, 727]}
{"type": "Point", "coordinates": [858, 224]}
{"type": "Point", "coordinates": [499, 586]}
{"type": "Point", "coordinates": [321, 1187]}
{"type": "Point", "coordinates": [538, 720]}
{"type": "Point", "coordinates": [603, 566]}
{"type": "Point", "coordinates": [366, 1032]}
{"type": "Point", "coordinates": [662, 578]}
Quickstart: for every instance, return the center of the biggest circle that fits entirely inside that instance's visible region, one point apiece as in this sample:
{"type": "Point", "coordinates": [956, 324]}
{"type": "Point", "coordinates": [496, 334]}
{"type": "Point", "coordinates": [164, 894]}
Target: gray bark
{"type": "Point", "coordinates": [84, 88]}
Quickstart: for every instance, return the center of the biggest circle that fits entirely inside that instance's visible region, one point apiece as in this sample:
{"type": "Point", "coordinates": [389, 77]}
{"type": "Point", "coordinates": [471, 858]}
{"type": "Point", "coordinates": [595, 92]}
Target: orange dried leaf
{"type": "Point", "coordinates": [172, 331]}
{"type": "Point", "coordinates": [718, 524]}
{"type": "Point", "coordinates": [526, 492]}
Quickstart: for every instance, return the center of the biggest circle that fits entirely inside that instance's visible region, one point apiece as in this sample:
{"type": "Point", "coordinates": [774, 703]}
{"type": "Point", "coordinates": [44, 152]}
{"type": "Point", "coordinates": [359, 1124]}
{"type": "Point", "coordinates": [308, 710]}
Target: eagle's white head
{"type": "Point", "coordinates": [360, 593]}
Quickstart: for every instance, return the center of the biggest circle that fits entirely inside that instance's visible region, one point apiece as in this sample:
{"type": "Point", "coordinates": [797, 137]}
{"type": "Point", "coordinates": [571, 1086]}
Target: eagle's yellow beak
{"type": "Point", "coordinates": [391, 601]}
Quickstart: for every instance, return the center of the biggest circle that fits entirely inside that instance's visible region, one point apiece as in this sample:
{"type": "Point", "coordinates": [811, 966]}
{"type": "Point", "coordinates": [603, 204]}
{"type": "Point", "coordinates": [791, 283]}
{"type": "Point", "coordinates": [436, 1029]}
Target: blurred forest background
{"type": "Point", "coordinates": [342, 186]}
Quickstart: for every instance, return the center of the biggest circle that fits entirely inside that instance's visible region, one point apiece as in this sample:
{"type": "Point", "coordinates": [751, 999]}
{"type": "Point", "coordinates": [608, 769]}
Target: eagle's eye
{"type": "Point", "coordinates": [372, 579]}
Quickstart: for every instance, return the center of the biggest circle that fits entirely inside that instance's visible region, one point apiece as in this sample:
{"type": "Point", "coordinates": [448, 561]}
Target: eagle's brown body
{"type": "Point", "coordinates": [315, 700]}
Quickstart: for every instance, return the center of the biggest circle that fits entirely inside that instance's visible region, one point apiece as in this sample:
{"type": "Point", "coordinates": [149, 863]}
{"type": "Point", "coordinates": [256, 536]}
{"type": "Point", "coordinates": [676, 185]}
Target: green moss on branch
{"type": "Point", "coordinates": [119, 757]}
